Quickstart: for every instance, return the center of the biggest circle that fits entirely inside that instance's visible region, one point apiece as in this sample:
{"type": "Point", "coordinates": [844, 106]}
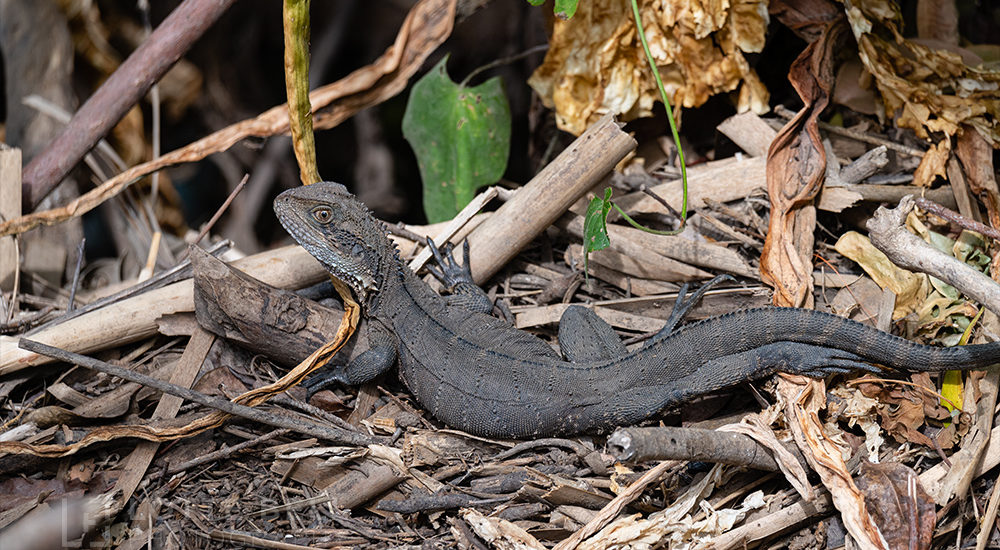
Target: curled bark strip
{"type": "Point", "coordinates": [428, 24]}
{"type": "Point", "coordinates": [796, 164]}
{"type": "Point", "coordinates": [908, 251]}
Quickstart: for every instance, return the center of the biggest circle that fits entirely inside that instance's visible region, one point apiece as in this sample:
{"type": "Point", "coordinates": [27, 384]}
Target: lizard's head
{"type": "Point", "coordinates": [338, 230]}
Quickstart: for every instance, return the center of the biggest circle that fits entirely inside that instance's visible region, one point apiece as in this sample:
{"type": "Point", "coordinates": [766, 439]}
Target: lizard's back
{"type": "Point", "coordinates": [479, 373]}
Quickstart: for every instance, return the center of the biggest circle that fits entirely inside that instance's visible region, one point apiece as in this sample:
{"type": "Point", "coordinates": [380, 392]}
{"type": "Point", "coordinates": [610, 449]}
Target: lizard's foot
{"type": "Point", "coordinates": [449, 271]}
{"type": "Point", "coordinates": [325, 379]}
{"type": "Point", "coordinates": [814, 361]}
{"type": "Point", "coordinates": [684, 302]}
{"type": "Point", "coordinates": [457, 278]}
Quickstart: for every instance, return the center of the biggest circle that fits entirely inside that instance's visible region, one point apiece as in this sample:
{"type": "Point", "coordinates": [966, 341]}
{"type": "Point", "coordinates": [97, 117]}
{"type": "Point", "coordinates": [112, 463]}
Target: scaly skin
{"type": "Point", "coordinates": [477, 373]}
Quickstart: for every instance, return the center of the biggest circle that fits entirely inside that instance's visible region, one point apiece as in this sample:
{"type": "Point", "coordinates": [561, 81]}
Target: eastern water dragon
{"type": "Point", "coordinates": [475, 372]}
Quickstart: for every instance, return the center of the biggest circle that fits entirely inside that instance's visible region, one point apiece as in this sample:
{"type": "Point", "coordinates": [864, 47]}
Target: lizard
{"type": "Point", "coordinates": [476, 372]}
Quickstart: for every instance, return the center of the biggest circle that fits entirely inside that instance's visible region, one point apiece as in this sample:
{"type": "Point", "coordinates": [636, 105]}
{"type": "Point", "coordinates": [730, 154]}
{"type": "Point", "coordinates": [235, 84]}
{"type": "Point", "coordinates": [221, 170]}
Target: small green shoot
{"type": "Point", "coordinates": [595, 235]}
{"type": "Point", "coordinates": [595, 227]}
{"type": "Point", "coordinates": [564, 9]}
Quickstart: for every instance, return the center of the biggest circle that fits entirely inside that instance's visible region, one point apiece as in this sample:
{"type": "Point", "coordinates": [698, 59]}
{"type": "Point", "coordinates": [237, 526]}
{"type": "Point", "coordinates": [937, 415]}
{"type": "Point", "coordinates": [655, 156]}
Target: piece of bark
{"type": "Point", "coordinates": [276, 323]}
{"type": "Point", "coordinates": [836, 199]}
{"type": "Point", "coordinates": [749, 132]}
{"type": "Point", "coordinates": [888, 233]}
{"type": "Point", "coordinates": [653, 266]}
{"type": "Point", "coordinates": [618, 319]}
{"type": "Point", "coordinates": [618, 269]}
{"type": "Point", "coordinates": [865, 166]}
{"type": "Point", "coordinates": [547, 196]}
{"type": "Point", "coordinates": [960, 188]}
{"type": "Point", "coordinates": [135, 318]}
{"type": "Point", "coordinates": [721, 180]}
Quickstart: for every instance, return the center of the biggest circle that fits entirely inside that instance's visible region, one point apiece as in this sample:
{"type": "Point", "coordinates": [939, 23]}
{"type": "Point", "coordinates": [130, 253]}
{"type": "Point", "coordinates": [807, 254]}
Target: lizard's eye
{"type": "Point", "coordinates": [322, 214]}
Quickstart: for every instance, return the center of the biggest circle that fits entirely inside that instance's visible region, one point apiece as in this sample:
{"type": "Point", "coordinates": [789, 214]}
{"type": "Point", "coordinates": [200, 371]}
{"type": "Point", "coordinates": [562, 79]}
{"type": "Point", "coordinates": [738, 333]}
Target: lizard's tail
{"type": "Point", "coordinates": [892, 351]}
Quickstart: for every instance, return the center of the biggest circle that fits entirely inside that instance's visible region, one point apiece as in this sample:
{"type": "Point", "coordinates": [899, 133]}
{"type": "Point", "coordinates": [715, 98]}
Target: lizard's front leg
{"type": "Point", "coordinates": [367, 366]}
{"type": "Point", "coordinates": [457, 278]}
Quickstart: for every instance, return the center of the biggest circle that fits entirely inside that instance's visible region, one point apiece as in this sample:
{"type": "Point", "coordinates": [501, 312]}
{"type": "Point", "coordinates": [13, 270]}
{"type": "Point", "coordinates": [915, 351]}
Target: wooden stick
{"type": "Point", "coordinates": [118, 94]}
{"type": "Point", "coordinates": [547, 196]}
{"type": "Point", "coordinates": [135, 318]}
{"type": "Point", "coordinates": [10, 208]}
{"type": "Point", "coordinates": [279, 421]}
{"type": "Point", "coordinates": [454, 226]}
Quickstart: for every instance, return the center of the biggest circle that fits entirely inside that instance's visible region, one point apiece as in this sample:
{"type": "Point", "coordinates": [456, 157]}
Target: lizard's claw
{"type": "Point", "coordinates": [322, 380]}
{"type": "Point", "coordinates": [449, 271]}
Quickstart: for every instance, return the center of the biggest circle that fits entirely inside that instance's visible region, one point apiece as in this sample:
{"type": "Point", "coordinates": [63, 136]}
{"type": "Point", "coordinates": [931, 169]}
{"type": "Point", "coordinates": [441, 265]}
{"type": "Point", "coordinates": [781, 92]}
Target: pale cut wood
{"type": "Point", "coordinates": [10, 208]}
{"type": "Point", "coordinates": [749, 132]}
{"type": "Point", "coordinates": [836, 199]}
{"type": "Point", "coordinates": [547, 196]}
{"type": "Point", "coordinates": [452, 227]}
{"type": "Point", "coordinates": [135, 318]}
{"type": "Point", "coordinates": [720, 180]}
{"type": "Point", "coordinates": [550, 315]}
{"type": "Point", "coordinates": [620, 270]}
{"type": "Point", "coordinates": [644, 247]}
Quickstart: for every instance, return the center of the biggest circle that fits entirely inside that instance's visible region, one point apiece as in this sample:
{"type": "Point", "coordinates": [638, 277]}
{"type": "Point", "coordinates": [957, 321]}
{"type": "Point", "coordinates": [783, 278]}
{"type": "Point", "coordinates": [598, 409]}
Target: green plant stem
{"type": "Point", "coordinates": [669, 109]}
{"type": "Point", "coordinates": [295, 17]}
{"type": "Point", "coordinates": [638, 225]}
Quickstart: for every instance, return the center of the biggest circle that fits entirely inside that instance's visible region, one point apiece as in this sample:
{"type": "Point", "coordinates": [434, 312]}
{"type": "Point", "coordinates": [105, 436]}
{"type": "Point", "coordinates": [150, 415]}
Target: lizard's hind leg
{"type": "Point", "coordinates": [585, 337]}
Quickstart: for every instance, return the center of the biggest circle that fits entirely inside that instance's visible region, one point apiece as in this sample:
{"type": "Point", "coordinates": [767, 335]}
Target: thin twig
{"type": "Point", "coordinates": [786, 113]}
{"type": "Point", "coordinates": [218, 214]}
{"type": "Point", "coordinates": [296, 424]}
{"type": "Point", "coordinates": [503, 61]}
{"type": "Point", "coordinates": [26, 322]}
{"type": "Point", "coordinates": [225, 452]}
{"type": "Point", "coordinates": [958, 219]}
{"type": "Point", "coordinates": [76, 273]}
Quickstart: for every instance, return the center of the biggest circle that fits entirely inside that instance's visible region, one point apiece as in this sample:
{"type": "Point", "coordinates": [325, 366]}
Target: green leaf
{"type": "Point", "coordinates": [565, 8]}
{"type": "Point", "coordinates": [461, 137]}
{"type": "Point", "coordinates": [595, 227]}
{"type": "Point", "coordinates": [536, 2]}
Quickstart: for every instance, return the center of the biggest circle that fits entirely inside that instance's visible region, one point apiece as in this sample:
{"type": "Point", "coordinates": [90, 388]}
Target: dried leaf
{"type": "Point", "coordinates": [595, 63]}
{"type": "Point", "coordinates": [910, 288]}
{"type": "Point", "coordinates": [796, 166]}
{"type": "Point", "coordinates": [898, 503]}
{"type": "Point", "coordinates": [933, 164]}
{"type": "Point", "coordinates": [926, 88]}
{"type": "Point", "coordinates": [803, 398]}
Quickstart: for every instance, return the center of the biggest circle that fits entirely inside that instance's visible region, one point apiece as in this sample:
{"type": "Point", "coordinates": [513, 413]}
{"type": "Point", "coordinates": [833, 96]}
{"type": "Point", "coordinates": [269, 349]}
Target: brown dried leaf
{"type": "Point", "coordinates": [796, 166]}
{"type": "Point", "coordinates": [803, 398]}
{"type": "Point", "coordinates": [910, 288]}
{"type": "Point", "coordinates": [933, 163]}
{"type": "Point", "coordinates": [595, 64]}
{"type": "Point", "coordinates": [898, 503]}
